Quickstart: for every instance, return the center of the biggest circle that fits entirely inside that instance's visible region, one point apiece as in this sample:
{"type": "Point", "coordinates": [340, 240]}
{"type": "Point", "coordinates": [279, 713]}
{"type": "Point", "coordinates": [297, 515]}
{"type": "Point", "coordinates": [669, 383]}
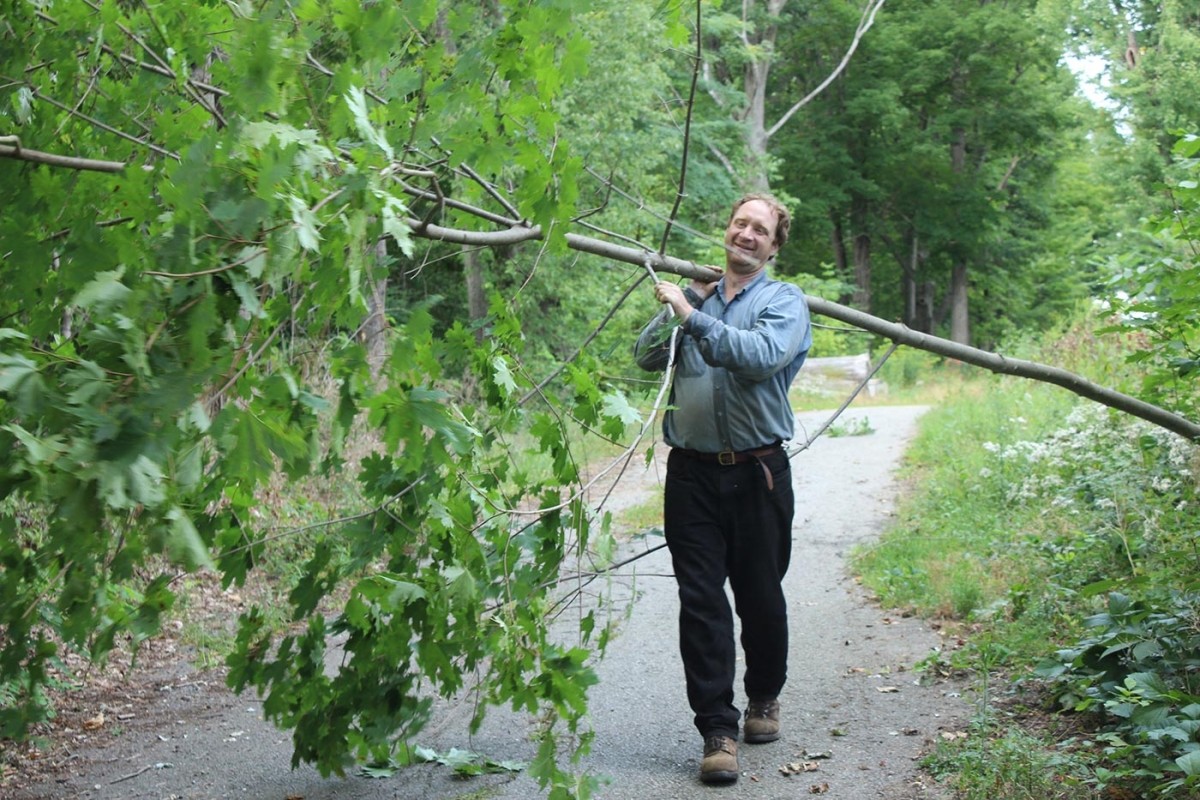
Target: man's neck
{"type": "Point", "coordinates": [736, 281]}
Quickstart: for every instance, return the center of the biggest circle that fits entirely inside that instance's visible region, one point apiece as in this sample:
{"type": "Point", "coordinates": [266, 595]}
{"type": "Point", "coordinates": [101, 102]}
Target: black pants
{"type": "Point", "coordinates": [723, 522]}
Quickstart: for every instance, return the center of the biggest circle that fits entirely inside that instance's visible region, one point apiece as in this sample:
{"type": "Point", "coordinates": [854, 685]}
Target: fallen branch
{"type": "Point", "coordinates": [898, 333]}
{"type": "Point", "coordinates": [645, 257]}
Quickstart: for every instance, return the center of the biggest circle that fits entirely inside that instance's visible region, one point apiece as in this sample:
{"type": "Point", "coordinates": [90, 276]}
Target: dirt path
{"type": "Point", "coordinates": [853, 709]}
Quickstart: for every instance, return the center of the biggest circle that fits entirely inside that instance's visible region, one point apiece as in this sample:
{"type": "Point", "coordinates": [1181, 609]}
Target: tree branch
{"type": "Point", "coordinates": [681, 191]}
{"type": "Point", "coordinates": [69, 162]}
{"type": "Point", "coordinates": [868, 19]}
{"type": "Point", "coordinates": [995, 362]}
{"type": "Point", "coordinates": [901, 334]}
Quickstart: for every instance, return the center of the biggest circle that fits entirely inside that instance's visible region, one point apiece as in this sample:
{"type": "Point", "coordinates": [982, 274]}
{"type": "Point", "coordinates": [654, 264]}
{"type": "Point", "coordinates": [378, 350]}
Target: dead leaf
{"type": "Point", "coordinates": [818, 788]}
{"type": "Point", "coordinates": [950, 736]}
{"type": "Point", "coordinates": [799, 767]}
{"type": "Point", "coordinates": [814, 755]}
{"type": "Point", "coordinates": [95, 723]}
{"type": "Point", "coordinates": [910, 731]}
{"type": "Point", "coordinates": [887, 689]}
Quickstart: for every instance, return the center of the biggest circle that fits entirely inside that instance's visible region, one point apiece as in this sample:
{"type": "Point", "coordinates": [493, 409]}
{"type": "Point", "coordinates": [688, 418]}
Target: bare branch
{"type": "Point", "coordinates": [69, 162]}
{"type": "Point", "coordinates": [997, 363]}
{"type": "Point", "coordinates": [681, 191]}
{"type": "Point", "coordinates": [868, 19]}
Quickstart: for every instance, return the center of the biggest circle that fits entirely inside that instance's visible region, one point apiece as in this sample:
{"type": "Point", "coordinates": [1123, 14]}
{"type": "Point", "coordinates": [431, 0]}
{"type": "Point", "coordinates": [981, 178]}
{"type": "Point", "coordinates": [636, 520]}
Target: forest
{"type": "Point", "coordinates": [239, 239]}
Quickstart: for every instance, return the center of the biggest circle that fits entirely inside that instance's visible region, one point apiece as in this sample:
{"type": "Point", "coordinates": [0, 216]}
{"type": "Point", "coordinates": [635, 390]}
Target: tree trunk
{"type": "Point", "coordinates": [908, 280]}
{"type": "Point", "coordinates": [862, 255]}
{"type": "Point", "coordinates": [754, 82]}
{"type": "Point", "coordinates": [960, 329]}
{"type": "Point", "coordinates": [960, 324]}
{"type": "Point", "coordinates": [375, 326]}
{"type": "Point", "coordinates": [841, 261]}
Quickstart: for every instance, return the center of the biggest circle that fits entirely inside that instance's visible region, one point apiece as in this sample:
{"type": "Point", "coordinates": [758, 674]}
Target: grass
{"type": "Point", "coordinates": [993, 763]}
{"type": "Point", "coordinates": [644, 517]}
{"type": "Point", "coordinates": [1022, 498]}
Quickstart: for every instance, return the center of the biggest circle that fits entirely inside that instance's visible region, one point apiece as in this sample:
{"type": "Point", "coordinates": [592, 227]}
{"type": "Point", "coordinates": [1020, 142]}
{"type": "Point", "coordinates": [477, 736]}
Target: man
{"type": "Point", "coordinates": [728, 498]}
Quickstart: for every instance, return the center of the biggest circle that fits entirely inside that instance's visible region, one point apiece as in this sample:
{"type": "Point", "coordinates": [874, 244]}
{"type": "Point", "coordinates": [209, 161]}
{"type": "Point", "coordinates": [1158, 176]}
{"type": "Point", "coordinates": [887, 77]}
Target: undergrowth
{"type": "Point", "coordinates": [1061, 540]}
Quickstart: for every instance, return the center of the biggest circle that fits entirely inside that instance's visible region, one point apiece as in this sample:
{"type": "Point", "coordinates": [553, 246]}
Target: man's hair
{"type": "Point", "coordinates": [781, 213]}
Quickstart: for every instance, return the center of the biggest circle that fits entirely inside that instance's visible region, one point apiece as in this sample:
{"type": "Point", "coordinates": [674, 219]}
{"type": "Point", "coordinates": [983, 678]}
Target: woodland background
{"type": "Point", "coordinates": [252, 242]}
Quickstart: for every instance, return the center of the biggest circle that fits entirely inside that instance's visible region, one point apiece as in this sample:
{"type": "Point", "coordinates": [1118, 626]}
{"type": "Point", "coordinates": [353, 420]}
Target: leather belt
{"type": "Point", "coordinates": [730, 457]}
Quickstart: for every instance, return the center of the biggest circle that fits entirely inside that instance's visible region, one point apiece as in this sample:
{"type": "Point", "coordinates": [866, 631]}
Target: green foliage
{"type": "Point", "coordinates": [153, 373]}
{"type": "Point", "coordinates": [1029, 511]}
{"type": "Point", "coordinates": [1161, 295]}
{"type": "Point", "coordinates": [1136, 668]}
{"type": "Point", "coordinates": [991, 763]}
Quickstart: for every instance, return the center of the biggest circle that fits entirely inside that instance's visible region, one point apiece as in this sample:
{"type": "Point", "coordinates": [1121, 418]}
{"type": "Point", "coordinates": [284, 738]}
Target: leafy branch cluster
{"type": "Point", "coordinates": [155, 368]}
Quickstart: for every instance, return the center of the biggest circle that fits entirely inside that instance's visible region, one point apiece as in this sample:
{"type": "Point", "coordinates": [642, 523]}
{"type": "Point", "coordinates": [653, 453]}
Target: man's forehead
{"type": "Point", "coordinates": [757, 209]}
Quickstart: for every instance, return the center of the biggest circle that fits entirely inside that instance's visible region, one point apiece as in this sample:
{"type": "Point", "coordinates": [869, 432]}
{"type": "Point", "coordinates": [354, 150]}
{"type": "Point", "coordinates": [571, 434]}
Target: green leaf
{"type": "Point", "coordinates": [1189, 763]}
{"type": "Point", "coordinates": [357, 101]}
{"type": "Point", "coordinates": [394, 225]}
{"type": "Point", "coordinates": [617, 406]}
{"type": "Point", "coordinates": [102, 292]}
{"type": "Point", "coordinates": [306, 224]}
{"type": "Point", "coordinates": [503, 375]}
{"type": "Point", "coordinates": [184, 544]}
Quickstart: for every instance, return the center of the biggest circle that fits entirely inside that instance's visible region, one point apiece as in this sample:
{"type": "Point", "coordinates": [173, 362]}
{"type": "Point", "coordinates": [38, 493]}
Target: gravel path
{"type": "Point", "coordinates": [854, 712]}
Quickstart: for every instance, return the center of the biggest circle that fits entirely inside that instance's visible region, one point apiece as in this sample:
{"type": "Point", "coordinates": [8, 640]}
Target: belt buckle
{"type": "Point", "coordinates": [726, 458]}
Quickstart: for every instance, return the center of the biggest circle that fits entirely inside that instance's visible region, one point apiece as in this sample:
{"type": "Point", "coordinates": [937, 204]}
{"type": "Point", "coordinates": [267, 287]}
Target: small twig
{"type": "Point", "coordinates": [825, 426]}
{"type": "Point", "coordinates": [680, 193]}
{"type": "Point", "coordinates": [147, 768]}
{"type": "Point", "coordinates": [92, 120]}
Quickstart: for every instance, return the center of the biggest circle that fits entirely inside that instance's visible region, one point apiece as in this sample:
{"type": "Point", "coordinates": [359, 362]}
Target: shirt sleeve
{"type": "Point", "coordinates": [780, 332]}
{"type": "Point", "coordinates": [652, 349]}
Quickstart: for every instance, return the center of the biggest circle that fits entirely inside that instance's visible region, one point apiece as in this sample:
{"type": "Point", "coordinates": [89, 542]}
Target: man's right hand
{"type": "Point", "coordinates": [671, 294]}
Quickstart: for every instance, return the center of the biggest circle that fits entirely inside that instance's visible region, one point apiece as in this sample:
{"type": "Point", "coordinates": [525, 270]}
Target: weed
{"type": "Point", "coordinates": [991, 763]}
{"type": "Point", "coordinates": [856, 426]}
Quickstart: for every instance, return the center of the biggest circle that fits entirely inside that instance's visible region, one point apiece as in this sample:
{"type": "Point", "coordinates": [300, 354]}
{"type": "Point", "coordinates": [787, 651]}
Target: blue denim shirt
{"type": "Point", "coordinates": [734, 366]}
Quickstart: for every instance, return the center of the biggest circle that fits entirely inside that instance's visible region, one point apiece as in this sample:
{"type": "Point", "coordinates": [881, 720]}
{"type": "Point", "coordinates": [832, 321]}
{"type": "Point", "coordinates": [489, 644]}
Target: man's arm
{"type": "Point", "coordinates": [652, 349]}
{"type": "Point", "coordinates": [780, 332]}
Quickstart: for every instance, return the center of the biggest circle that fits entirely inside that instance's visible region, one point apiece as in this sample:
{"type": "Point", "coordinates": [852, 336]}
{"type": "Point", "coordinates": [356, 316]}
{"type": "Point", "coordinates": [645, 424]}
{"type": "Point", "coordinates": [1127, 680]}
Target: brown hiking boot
{"type": "Point", "coordinates": [720, 764]}
{"type": "Point", "coordinates": [762, 722]}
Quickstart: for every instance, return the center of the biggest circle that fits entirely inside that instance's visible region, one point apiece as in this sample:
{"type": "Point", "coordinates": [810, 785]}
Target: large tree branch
{"type": "Point", "coordinates": [900, 334]}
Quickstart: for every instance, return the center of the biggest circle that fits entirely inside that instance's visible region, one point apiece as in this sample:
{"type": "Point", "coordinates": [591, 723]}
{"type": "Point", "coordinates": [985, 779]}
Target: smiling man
{"type": "Point", "coordinates": [728, 503]}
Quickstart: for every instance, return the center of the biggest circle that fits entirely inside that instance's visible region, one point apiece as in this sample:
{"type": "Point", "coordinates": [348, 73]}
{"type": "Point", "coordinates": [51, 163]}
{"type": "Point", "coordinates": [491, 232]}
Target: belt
{"type": "Point", "coordinates": [728, 458]}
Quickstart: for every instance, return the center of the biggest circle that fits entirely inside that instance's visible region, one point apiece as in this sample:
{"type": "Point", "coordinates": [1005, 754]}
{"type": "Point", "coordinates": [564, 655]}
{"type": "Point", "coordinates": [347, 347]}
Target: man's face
{"type": "Point", "coordinates": [750, 237]}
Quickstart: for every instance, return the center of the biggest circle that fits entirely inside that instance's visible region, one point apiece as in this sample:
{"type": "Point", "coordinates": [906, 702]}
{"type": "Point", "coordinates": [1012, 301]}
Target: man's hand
{"type": "Point", "coordinates": [671, 294]}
